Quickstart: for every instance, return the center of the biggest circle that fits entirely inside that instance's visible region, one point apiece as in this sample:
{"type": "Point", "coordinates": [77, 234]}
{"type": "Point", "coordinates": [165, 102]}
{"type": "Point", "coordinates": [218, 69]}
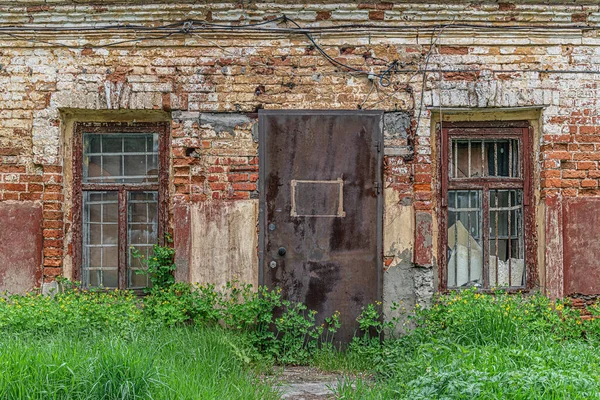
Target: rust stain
{"type": "Point", "coordinates": [20, 265]}
{"type": "Point", "coordinates": [423, 239]}
{"type": "Point", "coordinates": [581, 227]}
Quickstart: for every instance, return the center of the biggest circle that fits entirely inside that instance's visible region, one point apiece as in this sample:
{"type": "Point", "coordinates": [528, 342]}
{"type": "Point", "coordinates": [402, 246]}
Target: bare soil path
{"type": "Point", "coordinates": [307, 383]}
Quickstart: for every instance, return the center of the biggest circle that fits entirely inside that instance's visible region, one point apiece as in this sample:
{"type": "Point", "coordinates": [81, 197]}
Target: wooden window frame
{"type": "Point", "coordinates": [163, 131]}
{"type": "Point", "coordinates": [487, 130]}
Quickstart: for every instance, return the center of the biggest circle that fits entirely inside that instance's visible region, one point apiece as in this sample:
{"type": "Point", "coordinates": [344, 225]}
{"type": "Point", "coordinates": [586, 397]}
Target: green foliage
{"type": "Point", "coordinates": [160, 265]}
{"type": "Point", "coordinates": [465, 345]}
{"type": "Point", "coordinates": [144, 362]}
{"type": "Point", "coordinates": [274, 328]}
{"type": "Point", "coordinates": [72, 309]}
{"type": "Point", "coordinates": [469, 345]}
{"type": "Point", "coordinates": [472, 318]}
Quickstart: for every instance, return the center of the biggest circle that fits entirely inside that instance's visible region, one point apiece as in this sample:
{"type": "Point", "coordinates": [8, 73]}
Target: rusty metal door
{"type": "Point", "coordinates": [321, 209]}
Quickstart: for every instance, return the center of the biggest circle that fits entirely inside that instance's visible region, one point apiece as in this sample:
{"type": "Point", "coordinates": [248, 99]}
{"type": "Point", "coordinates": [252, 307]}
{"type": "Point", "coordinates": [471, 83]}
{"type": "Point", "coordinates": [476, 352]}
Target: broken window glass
{"type": "Point", "coordinates": [506, 253]}
{"type": "Point", "coordinates": [473, 158]}
{"type": "Point", "coordinates": [465, 254]}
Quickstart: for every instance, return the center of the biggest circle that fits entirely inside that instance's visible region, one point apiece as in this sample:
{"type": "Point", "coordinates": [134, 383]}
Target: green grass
{"type": "Point", "coordinates": [138, 363]}
{"type": "Point", "coordinates": [194, 343]}
{"type": "Point", "coordinates": [445, 370]}
{"type": "Point", "coordinates": [473, 346]}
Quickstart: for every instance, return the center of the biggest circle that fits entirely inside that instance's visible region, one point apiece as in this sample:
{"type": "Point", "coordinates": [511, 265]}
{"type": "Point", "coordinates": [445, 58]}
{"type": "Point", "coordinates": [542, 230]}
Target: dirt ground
{"type": "Point", "coordinates": [306, 383]}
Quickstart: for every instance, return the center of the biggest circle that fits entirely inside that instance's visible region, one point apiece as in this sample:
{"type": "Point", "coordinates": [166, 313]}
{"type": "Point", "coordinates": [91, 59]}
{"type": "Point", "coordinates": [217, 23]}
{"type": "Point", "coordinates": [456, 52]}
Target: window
{"type": "Point", "coordinates": [485, 197]}
{"type": "Point", "coordinates": [119, 187]}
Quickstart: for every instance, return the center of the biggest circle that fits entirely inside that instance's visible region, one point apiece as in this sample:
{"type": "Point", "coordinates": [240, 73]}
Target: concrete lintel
{"type": "Point", "coordinates": [398, 151]}
{"type": "Point", "coordinates": [460, 110]}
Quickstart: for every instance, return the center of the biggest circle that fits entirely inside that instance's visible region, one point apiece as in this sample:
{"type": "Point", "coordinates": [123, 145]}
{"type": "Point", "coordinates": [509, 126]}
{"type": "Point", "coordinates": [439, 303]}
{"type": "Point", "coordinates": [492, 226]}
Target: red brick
{"type": "Point", "coordinates": [587, 147]}
{"type": "Point", "coordinates": [240, 195]}
{"type": "Point", "coordinates": [198, 179]}
{"type": "Point", "coordinates": [422, 178]}
{"type": "Point", "coordinates": [569, 183]}
{"type": "Point", "coordinates": [181, 171]}
{"type": "Point", "coordinates": [53, 252]}
{"type": "Point", "coordinates": [232, 161]}
{"type": "Point", "coordinates": [589, 183]}
{"type": "Point", "coordinates": [456, 50]}
{"type": "Point", "coordinates": [199, 197]}
{"type": "Point", "coordinates": [30, 196]}
{"type": "Point", "coordinates": [49, 188]}
{"type": "Point", "coordinates": [244, 186]}
{"type": "Point", "coordinates": [422, 205]}
{"type": "Point", "coordinates": [422, 196]}
{"type": "Point", "coordinates": [53, 206]}
{"type": "Point", "coordinates": [422, 168]}
{"type": "Point", "coordinates": [586, 165]}
{"type": "Point", "coordinates": [52, 215]}
{"type": "Point", "coordinates": [181, 180]}
{"type": "Point", "coordinates": [217, 186]}
{"type": "Point", "coordinates": [49, 243]}
{"type": "Point", "coordinates": [35, 187]}
{"type": "Point", "coordinates": [52, 262]}
{"type": "Point", "coordinates": [570, 192]}
{"type": "Point", "coordinates": [253, 177]}
{"type": "Point", "coordinates": [587, 130]}
{"type": "Point", "coordinates": [323, 15]}
{"type": "Point", "coordinates": [52, 272]}
{"type": "Point", "coordinates": [53, 197]}
{"type": "Point", "coordinates": [376, 15]}
{"type": "Point", "coordinates": [424, 187]}
{"type": "Point", "coordinates": [237, 177]}
{"type": "Point", "coordinates": [53, 178]}
{"type": "Point", "coordinates": [52, 169]}
{"type": "Point", "coordinates": [550, 173]}
{"type": "Point", "coordinates": [12, 169]}
{"type": "Point", "coordinates": [50, 224]}
{"type": "Point", "coordinates": [10, 196]}
{"type": "Point", "coordinates": [178, 152]}
{"type": "Point", "coordinates": [182, 189]}
{"type": "Point", "coordinates": [506, 6]}
{"type": "Point", "coordinates": [558, 155]}
{"type": "Point", "coordinates": [13, 187]}
{"type": "Point", "coordinates": [31, 178]}
{"type": "Point", "coordinates": [586, 156]}
{"type": "Point", "coordinates": [551, 182]}
{"type": "Point", "coordinates": [569, 173]}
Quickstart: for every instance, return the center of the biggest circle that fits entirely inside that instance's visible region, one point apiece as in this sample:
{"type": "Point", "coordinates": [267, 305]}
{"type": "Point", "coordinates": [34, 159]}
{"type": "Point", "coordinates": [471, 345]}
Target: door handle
{"type": "Point", "coordinates": [281, 251]}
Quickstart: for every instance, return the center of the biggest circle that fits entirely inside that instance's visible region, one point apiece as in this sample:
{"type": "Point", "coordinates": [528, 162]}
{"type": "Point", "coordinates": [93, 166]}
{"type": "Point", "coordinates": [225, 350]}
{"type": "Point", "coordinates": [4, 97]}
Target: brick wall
{"type": "Point", "coordinates": [202, 73]}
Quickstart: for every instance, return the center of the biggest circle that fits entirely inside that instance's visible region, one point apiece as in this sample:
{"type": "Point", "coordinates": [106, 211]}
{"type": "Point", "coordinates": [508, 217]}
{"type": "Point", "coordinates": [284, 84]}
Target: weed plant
{"type": "Point", "coordinates": [470, 345]}
{"type": "Point", "coordinates": [185, 341]}
{"type": "Point", "coordinates": [142, 362]}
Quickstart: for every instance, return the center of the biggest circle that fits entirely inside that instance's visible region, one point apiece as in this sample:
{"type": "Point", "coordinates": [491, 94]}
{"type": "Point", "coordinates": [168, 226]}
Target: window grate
{"type": "Point", "coordinates": [485, 194]}
{"type": "Point", "coordinates": [119, 185]}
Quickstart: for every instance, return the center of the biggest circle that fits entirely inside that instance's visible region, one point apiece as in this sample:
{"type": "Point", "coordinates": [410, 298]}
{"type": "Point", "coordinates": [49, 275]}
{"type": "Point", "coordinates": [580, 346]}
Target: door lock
{"type": "Point", "coordinates": [282, 251]}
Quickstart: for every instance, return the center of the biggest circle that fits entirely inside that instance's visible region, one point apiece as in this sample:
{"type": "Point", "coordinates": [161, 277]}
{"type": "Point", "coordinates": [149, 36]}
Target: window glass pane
{"type": "Point", "coordinates": [120, 157]}
{"type": "Point", "coordinates": [100, 239]}
{"type": "Point", "coordinates": [475, 158]}
{"type": "Point", "coordinates": [506, 241]}
{"type": "Point", "coordinates": [465, 251]}
{"type": "Point", "coordinates": [142, 232]}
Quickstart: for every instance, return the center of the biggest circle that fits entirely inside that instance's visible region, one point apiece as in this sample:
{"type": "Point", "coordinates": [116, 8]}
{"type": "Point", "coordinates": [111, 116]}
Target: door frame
{"type": "Point", "coordinates": [262, 162]}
